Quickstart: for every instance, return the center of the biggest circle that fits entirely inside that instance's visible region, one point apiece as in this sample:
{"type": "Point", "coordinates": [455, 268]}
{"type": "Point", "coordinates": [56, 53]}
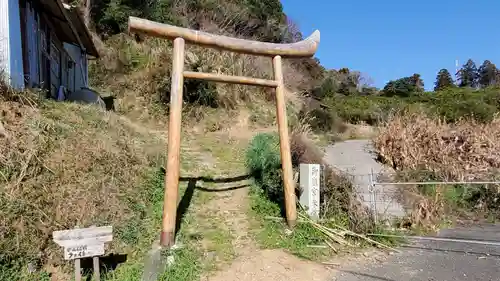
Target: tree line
{"type": "Point", "coordinates": [469, 75]}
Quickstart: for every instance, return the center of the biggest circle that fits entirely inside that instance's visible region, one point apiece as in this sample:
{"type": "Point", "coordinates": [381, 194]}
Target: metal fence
{"type": "Point", "coordinates": [388, 198]}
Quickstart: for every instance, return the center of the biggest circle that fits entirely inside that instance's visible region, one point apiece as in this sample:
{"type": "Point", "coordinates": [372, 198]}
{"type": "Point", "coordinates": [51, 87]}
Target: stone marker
{"type": "Point", "coordinates": [310, 185]}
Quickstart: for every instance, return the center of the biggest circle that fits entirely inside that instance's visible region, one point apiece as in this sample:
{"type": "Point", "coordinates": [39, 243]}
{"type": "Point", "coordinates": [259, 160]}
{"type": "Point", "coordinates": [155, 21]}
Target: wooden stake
{"type": "Point", "coordinates": [97, 270]}
{"type": "Point", "coordinates": [167, 237]}
{"type": "Point", "coordinates": [286, 159]}
{"type": "Point", "coordinates": [78, 273]}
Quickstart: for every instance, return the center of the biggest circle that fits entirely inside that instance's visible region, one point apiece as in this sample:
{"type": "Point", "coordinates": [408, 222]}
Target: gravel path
{"type": "Point", "coordinates": [355, 158]}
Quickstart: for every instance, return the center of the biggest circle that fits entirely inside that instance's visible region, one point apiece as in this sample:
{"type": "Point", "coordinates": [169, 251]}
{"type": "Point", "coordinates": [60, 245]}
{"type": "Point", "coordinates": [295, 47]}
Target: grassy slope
{"type": "Point", "coordinates": [69, 165]}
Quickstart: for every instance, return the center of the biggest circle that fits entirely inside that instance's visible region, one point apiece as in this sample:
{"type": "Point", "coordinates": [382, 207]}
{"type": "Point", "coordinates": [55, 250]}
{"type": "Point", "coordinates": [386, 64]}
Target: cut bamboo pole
{"type": "Point", "coordinates": [286, 159]}
{"type": "Point", "coordinates": [167, 237]}
{"type": "Point", "coordinates": [215, 77]}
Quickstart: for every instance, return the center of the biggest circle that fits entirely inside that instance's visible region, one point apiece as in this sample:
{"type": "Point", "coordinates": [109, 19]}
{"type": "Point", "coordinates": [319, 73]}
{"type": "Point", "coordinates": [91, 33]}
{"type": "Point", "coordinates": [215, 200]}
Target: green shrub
{"type": "Point", "coordinates": [367, 109]}
{"type": "Point", "coordinates": [264, 163]}
{"type": "Point", "coordinates": [451, 104]}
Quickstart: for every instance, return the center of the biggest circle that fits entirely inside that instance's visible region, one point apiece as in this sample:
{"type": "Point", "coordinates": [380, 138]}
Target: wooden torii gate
{"type": "Point", "coordinates": [179, 35]}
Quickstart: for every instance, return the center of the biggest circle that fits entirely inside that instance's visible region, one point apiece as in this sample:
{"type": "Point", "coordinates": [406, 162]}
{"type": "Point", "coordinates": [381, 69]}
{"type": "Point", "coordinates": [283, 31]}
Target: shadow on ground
{"type": "Point", "coordinates": [186, 199]}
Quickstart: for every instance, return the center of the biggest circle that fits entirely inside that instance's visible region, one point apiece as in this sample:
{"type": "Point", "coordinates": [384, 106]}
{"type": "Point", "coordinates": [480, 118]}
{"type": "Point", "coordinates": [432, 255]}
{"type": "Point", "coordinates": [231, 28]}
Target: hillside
{"type": "Point", "coordinates": [65, 165]}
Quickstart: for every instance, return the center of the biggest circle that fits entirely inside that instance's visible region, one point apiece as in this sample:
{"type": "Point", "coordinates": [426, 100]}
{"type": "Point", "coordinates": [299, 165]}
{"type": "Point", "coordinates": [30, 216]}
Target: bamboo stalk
{"type": "Point", "coordinates": [348, 232]}
{"type": "Point", "coordinates": [331, 246]}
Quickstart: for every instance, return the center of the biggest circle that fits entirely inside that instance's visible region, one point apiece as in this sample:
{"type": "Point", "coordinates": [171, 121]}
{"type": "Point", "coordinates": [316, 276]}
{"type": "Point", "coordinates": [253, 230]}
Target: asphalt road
{"type": "Point", "coordinates": [356, 158]}
{"type": "Point", "coordinates": [435, 260]}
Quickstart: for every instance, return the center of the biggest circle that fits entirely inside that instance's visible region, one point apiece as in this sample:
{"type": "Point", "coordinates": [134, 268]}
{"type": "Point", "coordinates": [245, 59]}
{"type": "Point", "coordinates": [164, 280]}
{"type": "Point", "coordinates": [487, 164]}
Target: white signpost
{"type": "Point", "coordinates": [310, 185]}
{"type": "Point", "coordinates": [81, 243]}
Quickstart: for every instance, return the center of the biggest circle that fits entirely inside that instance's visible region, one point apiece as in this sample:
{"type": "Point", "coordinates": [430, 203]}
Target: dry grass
{"type": "Point", "coordinates": [422, 148]}
{"type": "Point", "coordinates": [462, 151]}
{"type": "Point", "coordinates": [66, 165]}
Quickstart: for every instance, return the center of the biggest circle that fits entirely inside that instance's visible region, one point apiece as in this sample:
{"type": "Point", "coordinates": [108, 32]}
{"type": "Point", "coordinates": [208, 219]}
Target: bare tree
{"type": "Point", "coordinates": [87, 7]}
{"type": "Point", "coordinates": [292, 31]}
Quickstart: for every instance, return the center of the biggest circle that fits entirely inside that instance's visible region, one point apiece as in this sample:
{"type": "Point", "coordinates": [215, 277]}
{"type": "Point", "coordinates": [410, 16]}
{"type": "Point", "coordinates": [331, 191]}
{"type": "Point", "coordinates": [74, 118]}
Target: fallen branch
{"type": "Point", "coordinates": [317, 246]}
{"type": "Point", "coordinates": [348, 232]}
{"type": "Point", "coordinates": [335, 235]}
{"type": "Point", "coordinates": [331, 263]}
{"type": "Point", "coordinates": [331, 246]}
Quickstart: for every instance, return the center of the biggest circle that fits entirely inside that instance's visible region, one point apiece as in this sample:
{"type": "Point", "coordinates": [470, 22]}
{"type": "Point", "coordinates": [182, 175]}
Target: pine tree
{"type": "Point", "coordinates": [488, 73]}
{"type": "Point", "coordinates": [443, 80]}
{"type": "Point", "coordinates": [468, 75]}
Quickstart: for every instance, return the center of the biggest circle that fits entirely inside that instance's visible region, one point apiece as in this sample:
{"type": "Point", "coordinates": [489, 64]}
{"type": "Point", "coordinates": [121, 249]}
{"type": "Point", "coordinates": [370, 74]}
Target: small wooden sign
{"type": "Point", "coordinates": [83, 236]}
{"type": "Point", "coordinates": [81, 243]}
{"type": "Point", "coordinates": [83, 251]}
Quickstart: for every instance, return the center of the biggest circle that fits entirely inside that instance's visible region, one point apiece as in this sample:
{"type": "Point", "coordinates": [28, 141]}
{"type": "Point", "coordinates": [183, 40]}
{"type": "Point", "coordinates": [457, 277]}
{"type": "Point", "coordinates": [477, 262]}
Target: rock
{"type": "Point", "coordinates": [32, 267]}
{"type": "Point", "coordinates": [210, 254]}
{"type": "Point", "coordinates": [170, 260]}
{"type": "Point", "coordinates": [176, 246]}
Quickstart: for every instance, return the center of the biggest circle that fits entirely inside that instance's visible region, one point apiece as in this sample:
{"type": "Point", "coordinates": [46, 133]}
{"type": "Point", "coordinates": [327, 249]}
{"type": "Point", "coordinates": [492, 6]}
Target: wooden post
{"type": "Point", "coordinates": [286, 159]}
{"type": "Point", "coordinates": [78, 271]}
{"type": "Point", "coordinates": [97, 270]}
{"type": "Point", "coordinates": [167, 237]}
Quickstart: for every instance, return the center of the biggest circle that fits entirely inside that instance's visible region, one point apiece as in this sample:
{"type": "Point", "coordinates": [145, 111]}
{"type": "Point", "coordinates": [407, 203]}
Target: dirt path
{"type": "Point", "coordinates": [231, 205]}
{"type": "Point", "coordinates": [265, 265]}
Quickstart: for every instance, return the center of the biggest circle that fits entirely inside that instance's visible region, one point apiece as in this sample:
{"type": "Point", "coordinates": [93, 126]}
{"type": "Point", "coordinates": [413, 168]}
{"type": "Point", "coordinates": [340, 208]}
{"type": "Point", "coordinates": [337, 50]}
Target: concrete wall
{"type": "Point", "coordinates": [11, 54]}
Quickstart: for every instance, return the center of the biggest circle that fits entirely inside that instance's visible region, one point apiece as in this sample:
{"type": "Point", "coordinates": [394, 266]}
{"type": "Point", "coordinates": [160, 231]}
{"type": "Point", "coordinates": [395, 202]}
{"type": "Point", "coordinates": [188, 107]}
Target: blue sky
{"type": "Point", "coordinates": [395, 38]}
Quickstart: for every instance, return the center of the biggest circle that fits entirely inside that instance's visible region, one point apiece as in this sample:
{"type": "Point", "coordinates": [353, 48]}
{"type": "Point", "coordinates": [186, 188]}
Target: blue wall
{"type": "Point", "coordinates": [11, 52]}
